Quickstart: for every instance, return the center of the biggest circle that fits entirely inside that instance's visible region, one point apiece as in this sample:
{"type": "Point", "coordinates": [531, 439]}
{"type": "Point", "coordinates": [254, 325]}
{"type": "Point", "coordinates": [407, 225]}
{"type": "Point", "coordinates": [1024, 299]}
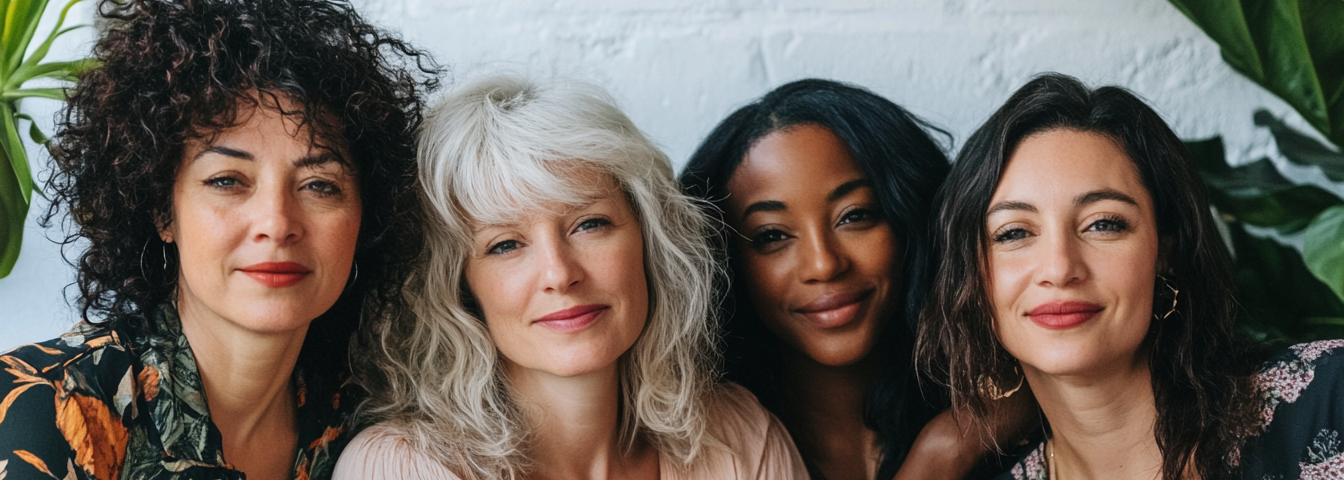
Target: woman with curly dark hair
{"type": "Point", "coordinates": [1079, 257]}
{"type": "Point", "coordinates": [243, 176]}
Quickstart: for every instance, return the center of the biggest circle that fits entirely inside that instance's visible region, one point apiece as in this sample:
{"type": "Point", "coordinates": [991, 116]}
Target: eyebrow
{"type": "Point", "coordinates": [846, 188]}
{"type": "Point", "coordinates": [1081, 200]}
{"type": "Point", "coordinates": [1105, 194]}
{"type": "Point", "coordinates": [836, 194]}
{"type": "Point", "coordinates": [225, 151]}
{"type": "Point", "coordinates": [764, 206]}
{"type": "Point", "coordinates": [305, 161]}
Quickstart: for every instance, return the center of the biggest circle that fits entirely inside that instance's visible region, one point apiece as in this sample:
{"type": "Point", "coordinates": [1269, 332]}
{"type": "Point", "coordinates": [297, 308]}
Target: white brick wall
{"type": "Point", "coordinates": [679, 66]}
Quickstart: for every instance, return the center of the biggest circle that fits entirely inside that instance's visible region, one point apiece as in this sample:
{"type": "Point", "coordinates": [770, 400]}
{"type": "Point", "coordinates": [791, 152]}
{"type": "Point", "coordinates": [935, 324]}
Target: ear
{"type": "Point", "coordinates": [164, 224]}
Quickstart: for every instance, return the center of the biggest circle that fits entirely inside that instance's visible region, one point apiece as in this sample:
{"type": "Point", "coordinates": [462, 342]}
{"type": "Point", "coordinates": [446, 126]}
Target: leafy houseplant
{"type": "Point", "coordinates": [21, 18]}
{"type": "Point", "coordinates": [1295, 49]}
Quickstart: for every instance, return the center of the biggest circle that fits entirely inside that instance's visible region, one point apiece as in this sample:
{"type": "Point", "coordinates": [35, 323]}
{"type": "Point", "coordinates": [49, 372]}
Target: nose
{"type": "Point", "coordinates": [820, 261]}
{"type": "Point", "coordinates": [1061, 261]}
{"type": "Point", "coordinates": [559, 264]}
{"type": "Point", "coordinates": [276, 216]}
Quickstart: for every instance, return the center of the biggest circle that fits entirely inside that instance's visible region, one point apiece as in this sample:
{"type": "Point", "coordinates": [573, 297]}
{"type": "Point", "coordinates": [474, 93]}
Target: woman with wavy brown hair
{"type": "Point", "coordinates": [1078, 256]}
{"type": "Point", "coordinates": [243, 176]}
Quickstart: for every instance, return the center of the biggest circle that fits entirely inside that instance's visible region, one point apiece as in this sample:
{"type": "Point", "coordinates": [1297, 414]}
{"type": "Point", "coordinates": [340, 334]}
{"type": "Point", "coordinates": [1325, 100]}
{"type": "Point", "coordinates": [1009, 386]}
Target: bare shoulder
{"type": "Point", "coordinates": [382, 452]}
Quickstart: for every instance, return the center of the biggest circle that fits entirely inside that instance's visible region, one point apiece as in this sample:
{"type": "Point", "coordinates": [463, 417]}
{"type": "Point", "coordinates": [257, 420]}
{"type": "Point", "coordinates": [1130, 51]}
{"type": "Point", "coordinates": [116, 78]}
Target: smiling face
{"type": "Point", "coordinates": [818, 259]}
{"type": "Point", "coordinates": [1073, 255]}
{"type": "Point", "coordinates": [563, 291]}
{"type": "Point", "coordinates": [265, 225]}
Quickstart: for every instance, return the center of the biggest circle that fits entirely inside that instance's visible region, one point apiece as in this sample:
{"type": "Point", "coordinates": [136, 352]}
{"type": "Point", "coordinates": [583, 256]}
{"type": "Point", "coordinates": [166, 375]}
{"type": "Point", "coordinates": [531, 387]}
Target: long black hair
{"type": "Point", "coordinates": [1201, 372]}
{"type": "Point", "coordinates": [905, 165]}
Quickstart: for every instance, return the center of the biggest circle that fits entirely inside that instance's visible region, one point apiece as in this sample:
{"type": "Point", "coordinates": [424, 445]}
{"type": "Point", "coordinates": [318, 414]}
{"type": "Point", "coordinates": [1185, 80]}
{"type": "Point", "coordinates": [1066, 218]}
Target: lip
{"type": "Point", "coordinates": [835, 309]}
{"type": "Point", "coordinates": [1064, 315]}
{"type": "Point", "coordinates": [572, 319]}
{"type": "Point", "coordinates": [277, 274]}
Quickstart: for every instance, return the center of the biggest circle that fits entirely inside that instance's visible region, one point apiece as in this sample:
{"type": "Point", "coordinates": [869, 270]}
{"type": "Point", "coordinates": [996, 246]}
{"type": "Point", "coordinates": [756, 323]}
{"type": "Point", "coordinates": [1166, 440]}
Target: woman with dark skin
{"type": "Point", "coordinates": [243, 176]}
{"type": "Point", "coordinates": [825, 189]}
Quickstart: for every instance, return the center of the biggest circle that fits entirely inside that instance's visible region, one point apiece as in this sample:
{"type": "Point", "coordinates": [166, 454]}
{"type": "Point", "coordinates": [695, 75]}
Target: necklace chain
{"type": "Point", "coordinates": [1050, 459]}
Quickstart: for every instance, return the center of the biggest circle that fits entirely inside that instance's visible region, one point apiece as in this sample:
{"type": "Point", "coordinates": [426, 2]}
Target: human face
{"type": "Point", "coordinates": [265, 225]}
{"type": "Point", "coordinates": [563, 291]}
{"type": "Point", "coordinates": [818, 259]}
{"type": "Point", "coordinates": [1073, 255]}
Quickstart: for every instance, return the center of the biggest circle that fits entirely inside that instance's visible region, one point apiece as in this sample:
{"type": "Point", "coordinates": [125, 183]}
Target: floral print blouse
{"type": "Point", "coordinates": [113, 401]}
{"type": "Point", "coordinates": [1302, 398]}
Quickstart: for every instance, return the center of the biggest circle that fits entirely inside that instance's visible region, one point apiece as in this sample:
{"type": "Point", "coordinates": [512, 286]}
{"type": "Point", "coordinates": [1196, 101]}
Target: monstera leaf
{"type": "Point", "coordinates": [16, 69]}
{"type": "Point", "coordinates": [1294, 48]}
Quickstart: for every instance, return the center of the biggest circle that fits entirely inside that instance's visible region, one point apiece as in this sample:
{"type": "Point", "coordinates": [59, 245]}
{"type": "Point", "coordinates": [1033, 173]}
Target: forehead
{"type": "Point", "coordinates": [273, 125]}
{"type": "Point", "coordinates": [567, 190]}
{"type": "Point", "coordinates": [1057, 165]}
{"type": "Point", "coordinates": [797, 163]}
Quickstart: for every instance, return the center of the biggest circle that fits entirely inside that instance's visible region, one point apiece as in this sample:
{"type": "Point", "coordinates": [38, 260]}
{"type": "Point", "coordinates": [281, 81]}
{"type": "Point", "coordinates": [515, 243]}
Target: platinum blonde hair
{"type": "Point", "coordinates": [493, 152]}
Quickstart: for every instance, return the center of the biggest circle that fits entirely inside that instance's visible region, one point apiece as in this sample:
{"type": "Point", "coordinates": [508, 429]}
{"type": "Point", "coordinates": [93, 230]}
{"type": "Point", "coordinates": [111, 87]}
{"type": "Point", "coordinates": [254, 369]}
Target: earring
{"type": "Point", "coordinates": [353, 275]}
{"type": "Point", "coordinates": [990, 389]}
{"type": "Point", "coordinates": [1164, 289]}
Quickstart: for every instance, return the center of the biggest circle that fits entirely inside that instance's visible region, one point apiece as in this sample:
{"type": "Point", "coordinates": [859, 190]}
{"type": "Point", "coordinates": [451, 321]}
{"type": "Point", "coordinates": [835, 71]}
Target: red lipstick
{"type": "Point", "coordinates": [277, 274]}
{"type": "Point", "coordinates": [1063, 315]}
{"type": "Point", "coordinates": [835, 309]}
{"type": "Point", "coordinates": [572, 319]}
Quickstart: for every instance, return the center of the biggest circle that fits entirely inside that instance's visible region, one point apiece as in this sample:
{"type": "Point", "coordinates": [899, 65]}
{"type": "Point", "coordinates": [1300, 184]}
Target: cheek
{"type": "Point", "coordinates": [766, 279]}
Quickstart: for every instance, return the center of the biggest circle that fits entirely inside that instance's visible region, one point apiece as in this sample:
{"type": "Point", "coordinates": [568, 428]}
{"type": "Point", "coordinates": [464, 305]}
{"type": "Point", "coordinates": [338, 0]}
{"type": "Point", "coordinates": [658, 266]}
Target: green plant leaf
{"type": "Point", "coordinates": [14, 151]}
{"type": "Point", "coordinates": [13, 212]}
{"type": "Point", "coordinates": [1300, 148]}
{"type": "Point", "coordinates": [1276, 291]}
{"type": "Point", "coordinates": [20, 23]}
{"type": "Point", "coordinates": [41, 52]}
{"type": "Point", "coordinates": [1256, 193]}
{"type": "Point", "coordinates": [1294, 48]}
{"type": "Point", "coordinates": [1324, 248]}
{"type": "Point", "coordinates": [52, 93]}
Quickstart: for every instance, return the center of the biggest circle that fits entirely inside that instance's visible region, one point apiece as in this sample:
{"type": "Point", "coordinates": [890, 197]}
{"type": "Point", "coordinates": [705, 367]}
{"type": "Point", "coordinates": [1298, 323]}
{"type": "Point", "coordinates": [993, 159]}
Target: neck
{"type": "Point", "coordinates": [246, 377]}
{"type": "Point", "coordinates": [1101, 424]}
{"type": "Point", "coordinates": [822, 406]}
{"type": "Point", "coordinates": [575, 425]}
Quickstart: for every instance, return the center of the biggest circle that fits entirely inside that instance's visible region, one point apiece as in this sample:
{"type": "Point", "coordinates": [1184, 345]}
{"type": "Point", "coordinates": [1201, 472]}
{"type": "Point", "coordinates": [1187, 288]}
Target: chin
{"type": "Point", "coordinates": [837, 355]}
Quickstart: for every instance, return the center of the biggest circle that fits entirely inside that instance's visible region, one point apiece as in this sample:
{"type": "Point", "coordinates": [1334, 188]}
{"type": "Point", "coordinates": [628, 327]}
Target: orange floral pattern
{"type": "Point", "coordinates": [125, 400]}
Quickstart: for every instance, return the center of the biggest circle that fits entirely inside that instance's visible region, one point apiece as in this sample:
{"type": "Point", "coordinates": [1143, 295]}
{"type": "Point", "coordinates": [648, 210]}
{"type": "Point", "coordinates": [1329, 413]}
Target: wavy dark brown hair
{"type": "Point", "coordinates": [1201, 370]}
{"type": "Point", "coordinates": [172, 71]}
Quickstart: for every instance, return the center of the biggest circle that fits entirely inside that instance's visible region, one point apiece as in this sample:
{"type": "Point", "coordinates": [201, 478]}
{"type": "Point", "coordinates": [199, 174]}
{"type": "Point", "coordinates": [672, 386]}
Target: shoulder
{"type": "Point", "coordinates": [1292, 372]}
{"type": "Point", "coordinates": [1030, 464]}
{"type": "Point", "coordinates": [381, 452]}
{"type": "Point", "coordinates": [64, 395]}
{"type": "Point", "coordinates": [748, 438]}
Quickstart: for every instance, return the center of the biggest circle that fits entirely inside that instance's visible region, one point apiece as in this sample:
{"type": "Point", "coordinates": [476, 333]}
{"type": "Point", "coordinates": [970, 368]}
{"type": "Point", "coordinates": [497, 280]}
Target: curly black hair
{"type": "Point", "coordinates": [172, 71]}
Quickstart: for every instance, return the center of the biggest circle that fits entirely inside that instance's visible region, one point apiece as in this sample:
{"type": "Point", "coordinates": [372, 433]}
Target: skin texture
{"type": "Point", "coordinates": [1072, 221]}
{"type": "Point", "coordinates": [817, 236]}
{"type": "Point", "coordinates": [245, 196]}
{"type": "Point", "coordinates": [566, 379]}
{"type": "Point", "coordinates": [813, 241]}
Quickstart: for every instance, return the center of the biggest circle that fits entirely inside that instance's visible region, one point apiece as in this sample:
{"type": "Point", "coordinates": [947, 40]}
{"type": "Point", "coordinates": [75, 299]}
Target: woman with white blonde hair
{"type": "Point", "coordinates": [563, 321]}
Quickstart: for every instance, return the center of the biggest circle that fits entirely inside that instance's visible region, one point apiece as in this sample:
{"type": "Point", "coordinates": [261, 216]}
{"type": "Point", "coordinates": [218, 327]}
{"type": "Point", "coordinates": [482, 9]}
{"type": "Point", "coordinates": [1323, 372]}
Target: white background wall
{"type": "Point", "coordinates": [679, 66]}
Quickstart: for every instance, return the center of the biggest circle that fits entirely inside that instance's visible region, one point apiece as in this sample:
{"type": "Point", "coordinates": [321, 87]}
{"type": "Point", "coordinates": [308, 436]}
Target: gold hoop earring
{"type": "Point", "coordinates": [990, 389]}
{"type": "Point", "coordinates": [1166, 286]}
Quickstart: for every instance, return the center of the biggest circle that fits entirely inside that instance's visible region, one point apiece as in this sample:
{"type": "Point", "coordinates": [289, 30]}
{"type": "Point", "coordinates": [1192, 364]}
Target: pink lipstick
{"type": "Point", "coordinates": [277, 274]}
{"type": "Point", "coordinates": [1063, 315]}
{"type": "Point", "coordinates": [572, 319]}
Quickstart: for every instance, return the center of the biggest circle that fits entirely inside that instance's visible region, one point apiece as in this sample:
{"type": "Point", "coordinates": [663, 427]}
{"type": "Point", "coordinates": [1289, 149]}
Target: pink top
{"type": "Point", "coordinates": [752, 444]}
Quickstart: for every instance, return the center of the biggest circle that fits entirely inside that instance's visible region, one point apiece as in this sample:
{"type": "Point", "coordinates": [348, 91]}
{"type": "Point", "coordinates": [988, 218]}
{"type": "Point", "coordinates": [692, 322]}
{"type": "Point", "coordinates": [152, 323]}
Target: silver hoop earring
{"type": "Point", "coordinates": [354, 275]}
{"type": "Point", "coordinates": [142, 258]}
